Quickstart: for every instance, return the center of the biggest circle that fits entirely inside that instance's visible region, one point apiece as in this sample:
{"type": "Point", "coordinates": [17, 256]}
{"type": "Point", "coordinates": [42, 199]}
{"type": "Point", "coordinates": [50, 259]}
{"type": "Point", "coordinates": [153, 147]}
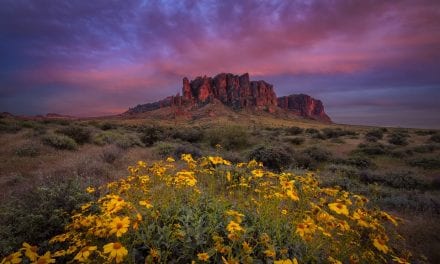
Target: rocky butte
{"type": "Point", "coordinates": [237, 92]}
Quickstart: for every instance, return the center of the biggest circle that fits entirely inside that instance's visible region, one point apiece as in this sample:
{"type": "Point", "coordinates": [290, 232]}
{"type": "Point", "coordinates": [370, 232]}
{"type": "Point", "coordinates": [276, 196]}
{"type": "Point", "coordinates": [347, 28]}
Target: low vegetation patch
{"type": "Point", "coordinates": [60, 141]}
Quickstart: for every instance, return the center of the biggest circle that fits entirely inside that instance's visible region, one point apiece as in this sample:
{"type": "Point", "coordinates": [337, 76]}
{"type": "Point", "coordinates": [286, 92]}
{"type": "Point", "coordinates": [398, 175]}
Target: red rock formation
{"type": "Point", "coordinates": [237, 92]}
{"type": "Point", "coordinates": [304, 105]}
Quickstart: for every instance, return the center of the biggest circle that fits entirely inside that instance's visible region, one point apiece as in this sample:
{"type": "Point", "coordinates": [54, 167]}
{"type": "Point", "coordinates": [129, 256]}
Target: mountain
{"type": "Point", "coordinates": [236, 92]}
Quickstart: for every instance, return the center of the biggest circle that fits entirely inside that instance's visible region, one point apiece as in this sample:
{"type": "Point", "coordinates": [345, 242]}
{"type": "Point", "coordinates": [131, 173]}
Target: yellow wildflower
{"type": "Point", "coordinates": [84, 253]}
{"type": "Point", "coordinates": [388, 217]}
{"type": "Point", "coordinates": [258, 173]}
{"type": "Point", "coordinates": [246, 247]}
{"type": "Point", "coordinates": [333, 261]}
{"type": "Point", "coordinates": [45, 259]}
{"type": "Point", "coordinates": [30, 251]}
{"type": "Point", "coordinates": [203, 256]}
{"type": "Point", "coordinates": [116, 251]}
{"type": "Point", "coordinates": [12, 258]}
{"type": "Point", "coordinates": [119, 226]}
{"type": "Point", "coordinates": [284, 212]}
{"type": "Point", "coordinates": [380, 244]}
{"type": "Point", "coordinates": [339, 208]}
{"type": "Point", "coordinates": [400, 260]}
{"type": "Point", "coordinates": [90, 189]}
{"type": "Point", "coordinates": [234, 227]}
{"type": "Point", "coordinates": [170, 159]}
{"type": "Point", "coordinates": [286, 261]}
{"type": "Point", "coordinates": [238, 216]}
{"type": "Point", "coordinates": [228, 176]}
{"type": "Point", "coordinates": [270, 253]}
{"type": "Point", "coordinates": [146, 204]}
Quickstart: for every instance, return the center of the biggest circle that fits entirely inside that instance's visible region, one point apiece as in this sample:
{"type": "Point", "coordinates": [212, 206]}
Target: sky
{"type": "Point", "coordinates": [370, 62]}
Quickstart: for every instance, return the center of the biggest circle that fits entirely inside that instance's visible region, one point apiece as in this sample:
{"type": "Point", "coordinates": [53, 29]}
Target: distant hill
{"type": "Point", "coordinates": [234, 92]}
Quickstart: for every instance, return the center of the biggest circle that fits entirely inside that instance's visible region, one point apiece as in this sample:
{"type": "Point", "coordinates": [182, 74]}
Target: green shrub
{"type": "Point", "coordinates": [189, 134]}
{"type": "Point", "coordinates": [29, 149]}
{"type": "Point", "coordinates": [230, 137]}
{"type": "Point", "coordinates": [318, 154]}
{"type": "Point", "coordinates": [111, 153]}
{"type": "Point", "coordinates": [311, 131]}
{"type": "Point", "coordinates": [425, 132]}
{"type": "Point", "coordinates": [294, 130]}
{"type": "Point", "coordinates": [435, 138]}
{"type": "Point", "coordinates": [372, 149]}
{"type": "Point", "coordinates": [80, 134]}
{"type": "Point", "coordinates": [295, 140]}
{"type": "Point", "coordinates": [395, 179]}
{"type": "Point", "coordinates": [274, 158]}
{"type": "Point", "coordinates": [107, 126]}
{"type": "Point", "coordinates": [9, 127]}
{"type": "Point", "coordinates": [164, 149]}
{"type": "Point", "coordinates": [425, 163]}
{"type": "Point", "coordinates": [359, 161]}
{"type": "Point", "coordinates": [187, 149]}
{"type": "Point", "coordinates": [426, 148]}
{"type": "Point", "coordinates": [374, 135]}
{"type": "Point", "coordinates": [336, 132]}
{"type": "Point", "coordinates": [39, 213]}
{"type": "Point", "coordinates": [60, 141]}
{"type": "Point", "coordinates": [122, 140]}
{"type": "Point", "coordinates": [398, 138]}
{"type": "Point", "coordinates": [151, 134]}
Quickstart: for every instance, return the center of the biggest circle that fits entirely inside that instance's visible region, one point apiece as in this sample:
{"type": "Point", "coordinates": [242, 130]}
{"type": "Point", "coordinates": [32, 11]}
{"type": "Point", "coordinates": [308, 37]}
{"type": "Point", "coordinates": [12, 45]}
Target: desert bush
{"type": "Point", "coordinates": [318, 154]}
{"type": "Point", "coordinates": [295, 140]}
{"type": "Point", "coordinates": [151, 134]}
{"type": "Point", "coordinates": [435, 138]}
{"type": "Point", "coordinates": [359, 161]}
{"type": "Point", "coordinates": [209, 210]}
{"type": "Point", "coordinates": [395, 179]}
{"type": "Point", "coordinates": [401, 153]}
{"type": "Point", "coordinates": [7, 126]}
{"type": "Point", "coordinates": [111, 153]}
{"type": "Point", "coordinates": [336, 132]}
{"type": "Point", "coordinates": [294, 130]}
{"type": "Point", "coordinates": [428, 163]}
{"type": "Point", "coordinates": [374, 135]}
{"type": "Point", "coordinates": [311, 131]}
{"type": "Point", "coordinates": [28, 149]}
{"type": "Point", "coordinates": [39, 213]}
{"type": "Point", "coordinates": [398, 138]}
{"type": "Point", "coordinates": [164, 149]}
{"type": "Point", "coordinates": [425, 132]}
{"type": "Point", "coordinates": [122, 140]}
{"type": "Point", "coordinates": [78, 133]}
{"type": "Point", "coordinates": [191, 135]}
{"type": "Point", "coordinates": [187, 149]}
{"type": "Point", "coordinates": [426, 148]}
{"type": "Point", "coordinates": [230, 137]}
{"type": "Point", "coordinates": [55, 121]}
{"type": "Point", "coordinates": [107, 126]}
{"type": "Point", "coordinates": [304, 161]}
{"type": "Point", "coordinates": [274, 158]}
{"type": "Point", "coordinates": [372, 149]}
{"type": "Point", "coordinates": [59, 141]}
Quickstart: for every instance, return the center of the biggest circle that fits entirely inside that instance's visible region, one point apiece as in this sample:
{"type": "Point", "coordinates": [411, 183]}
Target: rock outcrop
{"type": "Point", "coordinates": [305, 106]}
{"type": "Point", "coordinates": [237, 92]}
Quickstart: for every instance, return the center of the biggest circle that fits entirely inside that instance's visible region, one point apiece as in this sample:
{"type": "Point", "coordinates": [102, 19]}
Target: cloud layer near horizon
{"type": "Point", "coordinates": [371, 62]}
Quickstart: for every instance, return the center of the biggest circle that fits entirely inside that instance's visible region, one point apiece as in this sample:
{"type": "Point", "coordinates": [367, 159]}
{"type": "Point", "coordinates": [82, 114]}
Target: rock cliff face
{"type": "Point", "coordinates": [305, 106]}
{"type": "Point", "coordinates": [232, 90]}
{"type": "Point", "coordinates": [237, 92]}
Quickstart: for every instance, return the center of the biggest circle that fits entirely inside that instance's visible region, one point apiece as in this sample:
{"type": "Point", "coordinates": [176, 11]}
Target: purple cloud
{"type": "Point", "coordinates": [67, 56]}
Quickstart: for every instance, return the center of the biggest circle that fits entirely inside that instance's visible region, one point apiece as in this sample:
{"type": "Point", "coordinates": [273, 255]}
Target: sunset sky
{"type": "Point", "coordinates": [370, 62]}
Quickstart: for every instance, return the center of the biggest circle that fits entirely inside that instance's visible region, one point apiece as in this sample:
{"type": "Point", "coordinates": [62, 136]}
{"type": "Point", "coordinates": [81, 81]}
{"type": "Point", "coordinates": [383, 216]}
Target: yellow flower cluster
{"type": "Point", "coordinates": [257, 215]}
